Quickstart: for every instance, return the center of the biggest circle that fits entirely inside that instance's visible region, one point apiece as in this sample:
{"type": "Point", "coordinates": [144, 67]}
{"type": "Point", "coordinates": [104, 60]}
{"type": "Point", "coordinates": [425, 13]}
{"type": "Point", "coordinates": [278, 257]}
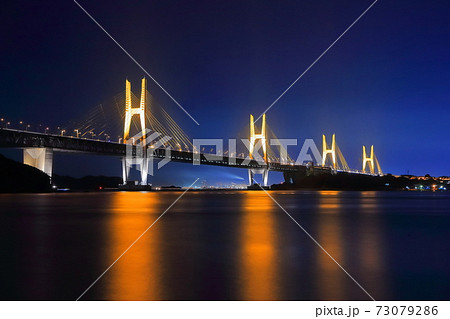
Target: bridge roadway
{"type": "Point", "coordinates": [10, 138]}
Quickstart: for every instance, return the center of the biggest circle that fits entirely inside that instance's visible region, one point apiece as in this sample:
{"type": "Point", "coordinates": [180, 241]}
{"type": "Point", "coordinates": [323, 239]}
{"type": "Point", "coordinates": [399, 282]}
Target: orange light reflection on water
{"type": "Point", "coordinates": [137, 275]}
{"type": "Point", "coordinates": [371, 245]}
{"type": "Point", "coordinates": [361, 246]}
{"type": "Point", "coordinates": [330, 278]}
{"type": "Point", "coordinates": [258, 251]}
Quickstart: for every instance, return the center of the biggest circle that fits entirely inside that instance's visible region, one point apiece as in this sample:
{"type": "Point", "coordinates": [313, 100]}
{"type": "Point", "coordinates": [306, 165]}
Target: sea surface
{"type": "Point", "coordinates": [233, 245]}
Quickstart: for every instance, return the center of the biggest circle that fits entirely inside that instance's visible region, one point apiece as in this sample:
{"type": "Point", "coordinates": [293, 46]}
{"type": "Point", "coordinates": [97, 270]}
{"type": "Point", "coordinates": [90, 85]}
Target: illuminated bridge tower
{"type": "Point", "coordinates": [368, 161]}
{"type": "Point", "coordinates": [371, 162]}
{"type": "Point", "coordinates": [260, 138]}
{"type": "Point", "coordinates": [130, 111]}
{"type": "Point", "coordinates": [331, 151]}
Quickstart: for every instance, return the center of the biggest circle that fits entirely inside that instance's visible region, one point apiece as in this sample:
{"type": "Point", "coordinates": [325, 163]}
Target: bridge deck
{"type": "Point", "coordinates": [24, 139]}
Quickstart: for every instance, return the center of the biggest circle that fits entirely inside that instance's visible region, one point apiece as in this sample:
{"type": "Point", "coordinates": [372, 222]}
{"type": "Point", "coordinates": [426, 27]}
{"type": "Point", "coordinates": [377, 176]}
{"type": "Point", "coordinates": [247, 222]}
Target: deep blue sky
{"type": "Point", "coordinates": [386, 82]}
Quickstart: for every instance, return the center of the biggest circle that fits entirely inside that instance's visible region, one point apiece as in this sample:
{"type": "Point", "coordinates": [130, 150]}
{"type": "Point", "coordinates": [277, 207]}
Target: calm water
{"type": "Point", "coordinates": [225, 246]}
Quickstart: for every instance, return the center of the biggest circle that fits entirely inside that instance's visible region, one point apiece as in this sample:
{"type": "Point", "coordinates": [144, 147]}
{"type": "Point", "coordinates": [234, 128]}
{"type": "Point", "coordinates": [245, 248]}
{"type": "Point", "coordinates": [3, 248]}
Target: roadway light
{"type": "Point", "coordinates": [7, 124]}
{"type": "Point", "coordinates": [46, 129]}
{"type": "Point", "coordinates": [27, 127]}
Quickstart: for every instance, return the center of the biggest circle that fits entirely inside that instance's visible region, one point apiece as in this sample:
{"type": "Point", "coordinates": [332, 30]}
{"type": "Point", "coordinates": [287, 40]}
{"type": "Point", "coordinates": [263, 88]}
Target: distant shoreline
{"type": "Point", "coordinates": [20, 178]}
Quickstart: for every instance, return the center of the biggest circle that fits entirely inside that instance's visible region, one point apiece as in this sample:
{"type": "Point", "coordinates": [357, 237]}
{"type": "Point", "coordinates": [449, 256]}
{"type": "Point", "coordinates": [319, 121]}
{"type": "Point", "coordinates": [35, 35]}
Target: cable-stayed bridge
{"type": "Point", "coordinates": [107, 130]}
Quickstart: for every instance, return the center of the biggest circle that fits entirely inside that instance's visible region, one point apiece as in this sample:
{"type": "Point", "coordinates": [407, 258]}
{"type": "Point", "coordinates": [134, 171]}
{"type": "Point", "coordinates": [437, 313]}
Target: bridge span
{"type": "Point", "coordinates": [38, 148]}
{"type": "Point", "coordinates": [38, 151]}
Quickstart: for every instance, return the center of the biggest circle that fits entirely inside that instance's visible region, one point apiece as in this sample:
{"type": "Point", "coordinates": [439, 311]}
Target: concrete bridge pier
{"type": "Point", "coordinates": [144, 170]}
{"type": "Point", "coordinates": [263, 171]}
{"type": "Point", "coordinates": [40, 158]}
{"type": "Point", "coordinates": [142, 163]}
{"type": "Point", "coordinates": [125, 170]}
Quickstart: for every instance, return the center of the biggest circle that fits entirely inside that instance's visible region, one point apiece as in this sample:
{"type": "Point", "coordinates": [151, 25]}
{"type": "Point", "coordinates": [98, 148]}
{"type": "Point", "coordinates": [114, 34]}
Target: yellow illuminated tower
{"type": "Point", "coordinates": [254, 137]}
{"type": "Point", "coordinates": [331, 151]}
{"type": "Point", "coordinates": [130, 111]}
{"type": "Point", "coordinates": [368, 161]}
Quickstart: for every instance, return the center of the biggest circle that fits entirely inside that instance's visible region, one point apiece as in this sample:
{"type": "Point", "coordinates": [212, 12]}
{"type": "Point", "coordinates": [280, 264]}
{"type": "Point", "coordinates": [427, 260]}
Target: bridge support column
{"type": "Point", "coordinates": [140, 158]}
{"type": "Point", "coordinates": [253, 153]}
{"type": "Point", "coordinates": [263, 171]}
{"type": "Point", "coordinates": [40, 158]}
{"type": "Point", "coordinates": [125, 170]}
{"type": "Point", "coordinates": [371, 162]}
{"type": "Point", "coordinates": [368, 161]}
{"type": "Point", "coordinates": [331, 151]}
{"type": "Point", "coordinates": [131, 111]}
{"type": "Point", "coordinates": [144, 170]}
{"type": "Point", "coordinates": [143, 164]}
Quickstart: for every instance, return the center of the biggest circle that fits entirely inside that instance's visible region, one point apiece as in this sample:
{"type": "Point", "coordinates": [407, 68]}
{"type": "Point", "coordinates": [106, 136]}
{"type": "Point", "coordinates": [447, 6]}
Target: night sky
{"type": "Point", "coordinates": [386, 82]}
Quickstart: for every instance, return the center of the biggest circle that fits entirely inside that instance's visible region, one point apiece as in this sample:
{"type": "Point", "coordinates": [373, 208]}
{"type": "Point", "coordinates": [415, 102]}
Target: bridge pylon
{"type": "Point", "coordinates": [254, 138]}
{"type": "Point", "coordinates": [329, 151]}
{"type": "Point", "coordinates": [129, 113]}
{"type": "Point", "coordinates": [368, 161]}
{"type": "Point", "coordinates": [371, 161]}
